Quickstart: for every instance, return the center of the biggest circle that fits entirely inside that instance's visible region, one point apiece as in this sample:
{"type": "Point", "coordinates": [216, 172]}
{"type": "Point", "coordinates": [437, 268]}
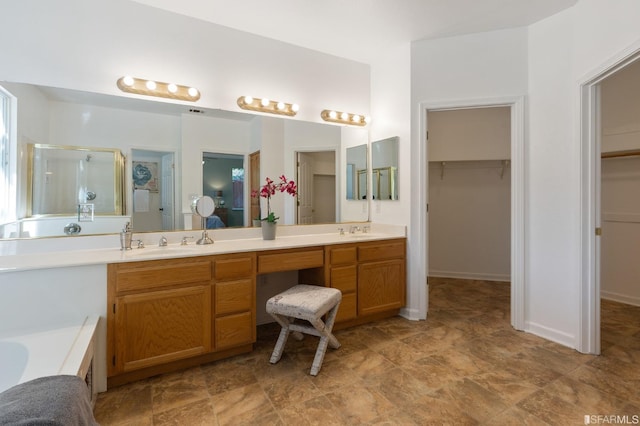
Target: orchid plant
{"type": "Point", "coordinates": [269, 189]}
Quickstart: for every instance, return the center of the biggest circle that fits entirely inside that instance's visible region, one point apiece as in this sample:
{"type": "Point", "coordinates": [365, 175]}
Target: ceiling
{"type": "Point", "coordinates": [359, 29]}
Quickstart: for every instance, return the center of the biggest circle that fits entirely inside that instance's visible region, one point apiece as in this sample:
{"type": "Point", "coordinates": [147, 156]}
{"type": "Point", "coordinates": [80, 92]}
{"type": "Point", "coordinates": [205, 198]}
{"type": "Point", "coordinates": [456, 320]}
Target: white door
{"type": "Point", "coordinates": [324, 190]}
{"type": "Point", "coordinates": [305, 188]}
{"type": "Point", "coordinates": [166, 199]}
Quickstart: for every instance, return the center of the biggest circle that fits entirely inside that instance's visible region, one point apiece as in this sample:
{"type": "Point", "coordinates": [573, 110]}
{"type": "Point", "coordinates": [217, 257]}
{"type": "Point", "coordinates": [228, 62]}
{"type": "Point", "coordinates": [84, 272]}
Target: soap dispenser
{"type": "Point", "coordinates": [125, 237]}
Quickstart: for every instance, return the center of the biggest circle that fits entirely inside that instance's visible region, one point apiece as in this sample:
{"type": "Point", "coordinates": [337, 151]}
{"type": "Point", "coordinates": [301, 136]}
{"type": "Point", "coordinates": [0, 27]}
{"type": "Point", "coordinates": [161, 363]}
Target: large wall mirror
{"type": "Point", "coordinates": [166, 140]}
{"type": "Point", "coordinates": [384, 169]}
{"type": "Point", "coordinates": [356, 172]}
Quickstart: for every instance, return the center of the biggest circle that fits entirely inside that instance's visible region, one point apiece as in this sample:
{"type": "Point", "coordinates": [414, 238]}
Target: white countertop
{"type": "Point", "coordinates": [242, 240]}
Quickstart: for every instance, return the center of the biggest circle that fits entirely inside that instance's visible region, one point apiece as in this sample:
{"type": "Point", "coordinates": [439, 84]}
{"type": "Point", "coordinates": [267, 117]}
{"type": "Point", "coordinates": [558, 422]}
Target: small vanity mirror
{"type": "Point", "coordinates": [357, 172]}
{"type": "Point", "coordinates": [69, 180]}
{"type": "Point", "coordinates": [384, 168]}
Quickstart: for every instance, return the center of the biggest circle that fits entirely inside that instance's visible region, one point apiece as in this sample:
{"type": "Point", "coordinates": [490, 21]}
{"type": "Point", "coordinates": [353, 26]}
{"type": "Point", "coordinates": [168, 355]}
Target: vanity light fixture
{"type": "Point", "coordinates": [267, 105]}
{"type": "Point", "coordinates": [344, 118]}
{"type": "Point", "coordinates": [156, 88]}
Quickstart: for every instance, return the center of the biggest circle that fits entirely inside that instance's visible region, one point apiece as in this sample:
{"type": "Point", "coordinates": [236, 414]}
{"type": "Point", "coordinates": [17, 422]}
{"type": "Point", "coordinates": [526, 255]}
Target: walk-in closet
{"type": "Point", "coordinates": [620, 186]}
{"type": "Point", "coordinates": [470, 193]}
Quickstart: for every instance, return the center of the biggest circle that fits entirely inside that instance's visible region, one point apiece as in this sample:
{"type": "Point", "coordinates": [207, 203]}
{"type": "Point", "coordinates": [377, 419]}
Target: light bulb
{"type": "Point", "coordinates": [172, 88]}
{"type": "Point", "coordinates": [295, 107]}
{"type": "Point", "coordinates": [333, 115]}
{"type": "Point", "coordinates": [248, 100]}
{"type": "Point", "coordinates": [344, 116]}
{"type": "Point", "coordinates": [280, 106]}
{"type": "Point", "coordinates": [367, 119]}
{"type": "Point", "coordinates": [193, 92]}
{"type": "Point", "coordinates": [151, 85]}
{"type": "Point", "coordinates": [265, 102]}
{"type": "Point", "coordinates": [355, 118]}
{"type": "Point", "coordinates": [128, 80]}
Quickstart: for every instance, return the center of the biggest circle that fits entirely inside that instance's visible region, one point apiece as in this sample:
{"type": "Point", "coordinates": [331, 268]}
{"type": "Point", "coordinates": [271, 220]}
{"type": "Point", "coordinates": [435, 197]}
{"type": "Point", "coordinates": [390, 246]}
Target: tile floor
{"type": "Point", "coordinates": [465, 365]}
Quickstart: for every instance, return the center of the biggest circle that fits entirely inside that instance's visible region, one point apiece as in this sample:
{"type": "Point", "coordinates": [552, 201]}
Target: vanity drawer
{"type": "Point", "coordinates": [344, 278]}
{"type": "Point", "coordinates": [234, 330]}
{"type": "Point", "coordinates": [290, 260]}
{"type": "Point", "coordinates": [153, 274]}
{"type": "Point", "coordinates": [381, 251]}
{"type": "Point", "coordinates": [229, 268]}
{"type": "Point", "coordinates": [233, 296]}
{"type": "Point", "coordinates": [342, 255]}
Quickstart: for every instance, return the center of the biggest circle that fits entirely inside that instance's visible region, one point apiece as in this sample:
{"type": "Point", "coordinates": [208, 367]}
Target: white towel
{"type": "Point", "coordinates": [141, 200]}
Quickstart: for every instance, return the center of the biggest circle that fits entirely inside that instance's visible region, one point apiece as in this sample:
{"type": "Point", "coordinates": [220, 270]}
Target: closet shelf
{"type": "Point", "coordinates": [620, 154]}
{"type": "Point", "coordinates": [501, 164]}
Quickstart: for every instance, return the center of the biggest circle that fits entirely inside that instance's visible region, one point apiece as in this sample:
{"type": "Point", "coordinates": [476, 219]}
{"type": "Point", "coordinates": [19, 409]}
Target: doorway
{"type": "Point", "coordinates": [608, 148]}
{"type": "Point", "coordinates": [316, 180]}
{"type": "Point", "coordinates": [223, 179]}
{"type": "Point", "coordinates": [469, 194]}
{"type": "Point", "coordinates": [516, 164]}
{"type": "Point", "coordinates": [153, 174]}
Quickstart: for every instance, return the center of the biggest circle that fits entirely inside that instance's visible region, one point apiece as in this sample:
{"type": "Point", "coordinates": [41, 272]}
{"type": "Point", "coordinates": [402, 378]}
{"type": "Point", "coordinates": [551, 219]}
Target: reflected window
{"type": "Point", "coordinates": [237, 185]}
{"type": "Point", "coordinates": [8, 147]}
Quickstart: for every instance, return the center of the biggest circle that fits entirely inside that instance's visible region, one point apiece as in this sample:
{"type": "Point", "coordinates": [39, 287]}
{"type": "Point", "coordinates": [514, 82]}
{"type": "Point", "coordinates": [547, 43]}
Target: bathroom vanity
{"type": "Point", "coordinates": [167, 314]}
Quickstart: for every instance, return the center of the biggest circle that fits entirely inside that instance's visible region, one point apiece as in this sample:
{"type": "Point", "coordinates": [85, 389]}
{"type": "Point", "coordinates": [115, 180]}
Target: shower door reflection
{"type": "Point", "coordinates": [62, 178]}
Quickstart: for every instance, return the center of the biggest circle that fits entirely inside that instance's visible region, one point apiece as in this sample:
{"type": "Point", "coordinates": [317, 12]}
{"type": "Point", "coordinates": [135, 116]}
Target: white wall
{"type": "Point", "coordinates": [470, 220]}
{"type": "Point", "coordinates": [88, 45]}
{"type": "Point", "coordinates": [564, 51]}
{"type": "Point", "coordinates": [470, 134]}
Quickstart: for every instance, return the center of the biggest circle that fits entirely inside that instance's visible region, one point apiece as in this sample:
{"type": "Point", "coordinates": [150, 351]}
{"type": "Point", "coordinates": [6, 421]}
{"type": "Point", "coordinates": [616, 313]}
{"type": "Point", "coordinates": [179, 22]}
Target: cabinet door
{"type": "Point", "coordinates": [162, 326]}
{"type": "Point", "coordinates": [381, 286]}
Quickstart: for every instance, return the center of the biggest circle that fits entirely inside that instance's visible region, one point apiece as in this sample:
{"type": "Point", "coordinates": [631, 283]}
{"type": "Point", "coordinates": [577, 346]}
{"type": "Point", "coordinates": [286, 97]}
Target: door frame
{"type": "Point", "coordinates": [176, 189]}
{"type": "Point", "coordinates": [588, 339]}
{"type": "Point", "coordinates": [311, 149]}
{"type": "Point", "coordinates": [421, 223]}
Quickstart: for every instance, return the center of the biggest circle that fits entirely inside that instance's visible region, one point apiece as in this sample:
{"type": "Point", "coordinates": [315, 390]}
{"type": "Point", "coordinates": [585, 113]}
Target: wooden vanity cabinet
{"type": "Point", "coordinates": [160, 312]}
{"type": "Point", "coordinates": [178, 310]}
{"type": "Point", "coordinates": [371, 276]}
{"type": "Point", "coordinates": [164, 315]}
{"type": "Point", "coordinates": [381, 276]}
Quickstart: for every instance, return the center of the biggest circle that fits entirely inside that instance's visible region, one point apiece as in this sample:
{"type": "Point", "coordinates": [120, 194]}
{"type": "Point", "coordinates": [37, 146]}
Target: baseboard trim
{"type": "Point", "coordinates": [622, 298]}
{"type": "Point", "coordinates": [554, 335]}
{"type": "Point", "coordinates": [411, 314]}
{"type": "Point", "coordinates": [470, 275]}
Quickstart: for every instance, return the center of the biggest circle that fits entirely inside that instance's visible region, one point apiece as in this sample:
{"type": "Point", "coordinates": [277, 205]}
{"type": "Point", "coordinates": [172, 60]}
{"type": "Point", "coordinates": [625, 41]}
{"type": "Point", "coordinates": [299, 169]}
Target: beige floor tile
{"type": "Point", "coordinates": [464, 365]}
{"type": "Point", "coordinates": [196, 413]}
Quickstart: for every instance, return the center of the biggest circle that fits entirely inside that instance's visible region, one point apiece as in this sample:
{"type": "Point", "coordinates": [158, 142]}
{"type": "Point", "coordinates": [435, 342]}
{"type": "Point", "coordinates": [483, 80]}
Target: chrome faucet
{"type": "Point", "coordinates": [184, 240]}
{"type": "Point", "coordinates": [353, 229]}
{"type": "Point", "coordinates": [125, 237]}
{"type": "Point", "coordinates": [162, 242]}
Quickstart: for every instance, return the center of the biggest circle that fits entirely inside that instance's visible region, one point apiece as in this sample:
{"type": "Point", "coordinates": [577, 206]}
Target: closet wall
{"type": "Point", "coordinates": [620, 201]}
{"type": "Point", "coordinates": [470, 193]}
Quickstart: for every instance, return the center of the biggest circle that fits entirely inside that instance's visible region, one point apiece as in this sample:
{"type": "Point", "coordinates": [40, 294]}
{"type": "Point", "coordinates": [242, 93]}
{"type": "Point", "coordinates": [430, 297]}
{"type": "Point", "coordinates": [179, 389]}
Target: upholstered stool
{"type": "Point", "coordinates": [308, 303]}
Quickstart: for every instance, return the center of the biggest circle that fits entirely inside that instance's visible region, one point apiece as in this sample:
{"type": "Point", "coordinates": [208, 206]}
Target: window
{"type": "Point", "coordinates": [7, 156]}
{"type": "Point", "coordinates": [237, 182]}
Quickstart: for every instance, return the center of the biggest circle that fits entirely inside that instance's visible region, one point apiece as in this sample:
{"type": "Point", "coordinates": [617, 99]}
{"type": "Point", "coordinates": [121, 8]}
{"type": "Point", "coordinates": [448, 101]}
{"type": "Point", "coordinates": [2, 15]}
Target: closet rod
{"type": "Point", "coordinates": [620, 154]}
